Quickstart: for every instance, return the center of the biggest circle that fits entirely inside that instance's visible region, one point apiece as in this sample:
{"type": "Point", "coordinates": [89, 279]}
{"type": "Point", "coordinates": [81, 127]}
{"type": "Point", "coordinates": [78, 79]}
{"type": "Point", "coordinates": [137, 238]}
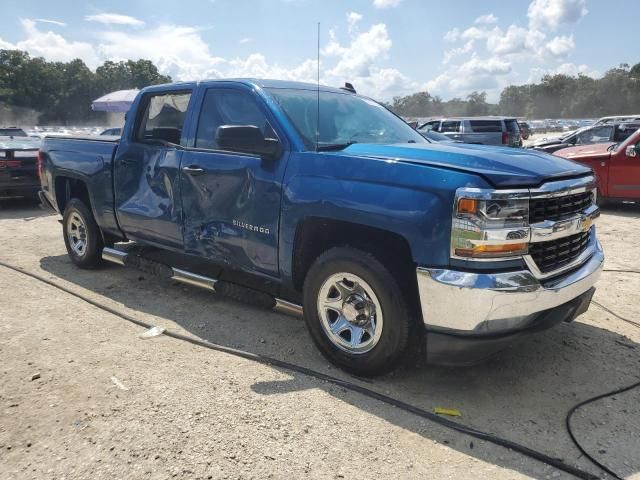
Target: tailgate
{"type": "Point", "coordinates": [18, 167]}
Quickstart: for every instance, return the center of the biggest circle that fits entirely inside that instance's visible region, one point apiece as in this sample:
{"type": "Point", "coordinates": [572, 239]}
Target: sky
{"type": "Point", "coordinates": [384, 48]}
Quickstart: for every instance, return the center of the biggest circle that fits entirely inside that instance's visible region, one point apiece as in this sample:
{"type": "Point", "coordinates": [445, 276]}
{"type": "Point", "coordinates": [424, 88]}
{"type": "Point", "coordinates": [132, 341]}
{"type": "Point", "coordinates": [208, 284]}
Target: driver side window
{"type": "Point", "coordinates": [228, 107]}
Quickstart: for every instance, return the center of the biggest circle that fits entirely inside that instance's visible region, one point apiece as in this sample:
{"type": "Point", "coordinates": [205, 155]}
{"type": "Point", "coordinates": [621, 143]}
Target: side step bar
{"type": "Point", "coordinates": [119, 257]}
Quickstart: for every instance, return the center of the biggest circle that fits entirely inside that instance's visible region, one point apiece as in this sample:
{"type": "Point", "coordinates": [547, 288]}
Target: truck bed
{"type": "Point", "coordinates": [88, 159]}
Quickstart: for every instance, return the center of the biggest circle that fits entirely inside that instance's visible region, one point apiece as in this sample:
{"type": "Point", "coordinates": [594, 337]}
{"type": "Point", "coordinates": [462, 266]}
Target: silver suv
{"type": "Point", "coordinates": [479, 130]}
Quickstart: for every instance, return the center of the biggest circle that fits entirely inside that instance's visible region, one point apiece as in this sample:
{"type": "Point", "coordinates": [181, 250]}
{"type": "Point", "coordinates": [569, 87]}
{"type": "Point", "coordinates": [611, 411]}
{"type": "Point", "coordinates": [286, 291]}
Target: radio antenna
{"type": "Point", "coordinates": [318, 91]}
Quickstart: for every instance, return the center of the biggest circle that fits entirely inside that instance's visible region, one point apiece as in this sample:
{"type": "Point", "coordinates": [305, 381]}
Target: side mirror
{"type": "Point", "coordinates": [247, 139]}
{"type": "Point", "coordinates": [632, 150]}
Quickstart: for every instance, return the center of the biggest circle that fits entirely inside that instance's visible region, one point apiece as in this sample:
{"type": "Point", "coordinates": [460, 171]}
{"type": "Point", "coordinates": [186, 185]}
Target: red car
{"type": "Point", "coordinates": [617, 166]}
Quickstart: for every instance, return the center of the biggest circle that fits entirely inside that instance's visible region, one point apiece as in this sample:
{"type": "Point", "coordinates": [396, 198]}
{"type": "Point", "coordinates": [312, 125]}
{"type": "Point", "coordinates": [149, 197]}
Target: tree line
{"type": "Point", "coordinates": [62, 92]}
{"type": "Point", "coordinates": [555, 96]}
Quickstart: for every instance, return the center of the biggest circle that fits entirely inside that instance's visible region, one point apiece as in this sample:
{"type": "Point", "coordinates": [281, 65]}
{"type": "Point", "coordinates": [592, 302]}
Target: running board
{"type": "Point", "coordinates": [119, 257]}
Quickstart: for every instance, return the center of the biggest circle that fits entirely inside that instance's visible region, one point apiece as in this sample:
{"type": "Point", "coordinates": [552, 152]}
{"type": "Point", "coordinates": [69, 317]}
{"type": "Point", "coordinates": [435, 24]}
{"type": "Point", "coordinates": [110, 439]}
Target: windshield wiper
{"type": "Point", "coordinates": [331, 147]}
{"type": "Point", "coordinates": [612, 147]}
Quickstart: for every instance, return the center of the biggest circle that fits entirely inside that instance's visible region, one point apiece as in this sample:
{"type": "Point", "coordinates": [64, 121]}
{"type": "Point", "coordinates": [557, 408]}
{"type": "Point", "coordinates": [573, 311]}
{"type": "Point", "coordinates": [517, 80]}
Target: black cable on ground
{"type": "Point", "coordinates": [575, 440]}
{"type": "Point", "coordinates": [630, 322]}
{"type": "Point", "coordinates": [620, 271]}
{"type": "Point", "coordinates": [489, 437]}
{"type": "Point", "coordinates": [619, 317]}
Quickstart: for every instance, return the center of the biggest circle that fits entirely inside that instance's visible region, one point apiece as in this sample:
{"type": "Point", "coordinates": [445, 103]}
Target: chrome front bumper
{"type": "Point", "coordinates": [489, 303]}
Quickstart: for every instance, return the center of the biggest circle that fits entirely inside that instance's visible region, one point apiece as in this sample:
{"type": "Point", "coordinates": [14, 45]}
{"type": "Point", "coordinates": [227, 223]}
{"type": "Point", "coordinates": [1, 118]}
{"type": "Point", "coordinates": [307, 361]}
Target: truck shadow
{"type": "Point", "coordinates": [27, 209]}
{"type": "Point", "coordinates": [629, 210]}
{"type": "Point", "coordinates": [522, 394]}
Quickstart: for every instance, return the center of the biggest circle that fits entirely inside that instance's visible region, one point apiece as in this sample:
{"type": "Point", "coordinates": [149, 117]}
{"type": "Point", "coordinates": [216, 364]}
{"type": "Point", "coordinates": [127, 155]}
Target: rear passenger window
{"type": "Point", "coordinates": [228, 107]}
{"type": "Point", "coordinates": [163, 117]}
{"type": "Point", "coordinates": [450, 126]}
{"type": "Point", "coordinates": [485, 126]}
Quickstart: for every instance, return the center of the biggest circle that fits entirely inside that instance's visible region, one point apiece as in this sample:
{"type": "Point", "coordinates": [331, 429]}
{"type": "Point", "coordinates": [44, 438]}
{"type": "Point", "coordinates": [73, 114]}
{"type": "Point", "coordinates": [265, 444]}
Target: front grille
{"type": "Point", "coordinates": [554, 208]}
{"type": "Point", "coordinates": [555, 254]}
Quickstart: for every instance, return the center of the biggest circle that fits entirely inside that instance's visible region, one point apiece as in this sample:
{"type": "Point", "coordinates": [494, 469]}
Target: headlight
{"type": "Point", "coordinates": [490, 225]}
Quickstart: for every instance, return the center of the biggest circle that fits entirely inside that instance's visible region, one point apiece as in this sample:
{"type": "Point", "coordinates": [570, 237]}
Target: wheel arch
{"type": "Point", "coordinates": [67, 187]}
{"type": "Point", "coordinates": [315, 235]}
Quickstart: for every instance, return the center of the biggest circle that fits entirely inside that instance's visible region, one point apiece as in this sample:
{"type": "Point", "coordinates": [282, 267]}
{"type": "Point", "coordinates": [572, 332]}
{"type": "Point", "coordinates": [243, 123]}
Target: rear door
{"type": "Point", "coordinates": [231, 200]}
{"type": "Point", "coordinates": [146, 188]}
{"type": "Point", "coordinates": [451, 128]}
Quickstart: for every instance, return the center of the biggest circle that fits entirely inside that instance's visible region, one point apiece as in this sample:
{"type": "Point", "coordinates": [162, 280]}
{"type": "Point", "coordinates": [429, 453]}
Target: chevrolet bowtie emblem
{"type": "Point", "coordinates": [585, 223]}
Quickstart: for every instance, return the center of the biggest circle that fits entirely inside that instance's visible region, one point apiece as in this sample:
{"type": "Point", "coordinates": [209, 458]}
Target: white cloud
{"type": "Point", "coordinates": [352, 19]}
{"type": "Point", "coordinates": [356, 59]}
{"type": "Point", "coordinates": [386, 3]}
{"type": "Point", "coordinates": [456, 52]}
{"type": "Point", "coordinates": [474, 33]}
{"type": "Point", "coordinates": [114, 19]}
{"type": "Point", "coordinates": [245, 40]}
{"type": "Point", "coordinates": [550, 14]}
{"type": "Point", "coordinates": [489, 19]}
{"type": "Point", "coordinates": [516, 40]}
{"type": "Point", "coordinates": [52, 22]}
{"type": "Point", "coordinates": [571, 69]}
{"type": "Point", "coordinates": [477, 73]}
{"type": "Point", "coordinates": [177, 50]}
{"type": "Point", "coordinates": [488, 56]}
{"type": "Point", "coordinates": [452, 35]}
{"type": "Point", "coordinates": [561, 46]}
{"type": "Point", "coordinates": [51, 46]}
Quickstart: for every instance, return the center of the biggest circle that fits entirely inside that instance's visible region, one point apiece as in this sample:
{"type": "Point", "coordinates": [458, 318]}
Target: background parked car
{"type": "Point", "coordinates": [618, 118]}
{"type": "Point", "coordinates": [479, 130]}
{"type": "Point", "coordinates": [112, 131]}
{"type": "Point", "coordinates": [19, 167]}
{"type": "Point", "coordinates": [525, 130]}
{"type": "Point", "coordinates": [587, 136]}
{"type": "Point", "coordinates": [12, 132]}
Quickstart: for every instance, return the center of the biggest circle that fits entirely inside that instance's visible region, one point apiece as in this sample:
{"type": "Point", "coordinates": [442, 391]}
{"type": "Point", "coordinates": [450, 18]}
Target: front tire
{"type": "Point", "coordinates": [356, 312]}
{"type": "Point", "coordinates": [82, 236]}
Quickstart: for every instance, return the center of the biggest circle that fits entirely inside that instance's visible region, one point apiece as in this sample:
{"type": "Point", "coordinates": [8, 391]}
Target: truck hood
{"type": "Point", "coordinates": [586, 151]}
{"type": "Point", "coordinates": [500, 166]}
{"type": "Point", "coordinates": [545, 142]}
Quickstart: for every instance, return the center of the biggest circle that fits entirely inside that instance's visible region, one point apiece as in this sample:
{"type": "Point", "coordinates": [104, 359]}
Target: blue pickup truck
{"type": "Point", "coordinates": [322, 203]}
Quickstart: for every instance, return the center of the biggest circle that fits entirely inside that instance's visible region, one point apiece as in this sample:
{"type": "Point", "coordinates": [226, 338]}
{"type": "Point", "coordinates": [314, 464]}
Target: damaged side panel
{"type": "Point", "coordinates": [232, 209]}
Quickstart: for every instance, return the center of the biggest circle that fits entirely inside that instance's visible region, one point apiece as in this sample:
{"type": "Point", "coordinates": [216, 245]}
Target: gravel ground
{"type": "Point", "coordinates": [110, 405]}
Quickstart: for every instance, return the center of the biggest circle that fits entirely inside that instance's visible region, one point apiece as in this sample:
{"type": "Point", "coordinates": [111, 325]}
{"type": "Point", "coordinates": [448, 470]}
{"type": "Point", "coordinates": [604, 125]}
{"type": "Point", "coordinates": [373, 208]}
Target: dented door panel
{"type": "Point", "coordinates": [147, 195]}
{"type": "Point", "coordinates": [231, 211]}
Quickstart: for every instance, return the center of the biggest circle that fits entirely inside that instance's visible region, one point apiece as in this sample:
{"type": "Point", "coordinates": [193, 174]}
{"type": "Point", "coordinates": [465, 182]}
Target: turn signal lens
{"type": "Point", "coordinates": [491, 250]}
{"type": "Point", "coordinates": [467, 205]}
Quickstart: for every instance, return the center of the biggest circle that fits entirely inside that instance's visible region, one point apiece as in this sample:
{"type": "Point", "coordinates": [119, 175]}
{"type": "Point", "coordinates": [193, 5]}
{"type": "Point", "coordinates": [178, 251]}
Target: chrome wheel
{"type": "Point", "coordinates": [350, 313]}
{"type": "Point", "coordinates": [77, 234]}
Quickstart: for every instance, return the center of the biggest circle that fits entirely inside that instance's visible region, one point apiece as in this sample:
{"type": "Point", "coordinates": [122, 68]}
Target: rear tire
{"type": "Point", "coordinates": [356, 312]}
{"type": "Point", "coordinates": [82, 236]}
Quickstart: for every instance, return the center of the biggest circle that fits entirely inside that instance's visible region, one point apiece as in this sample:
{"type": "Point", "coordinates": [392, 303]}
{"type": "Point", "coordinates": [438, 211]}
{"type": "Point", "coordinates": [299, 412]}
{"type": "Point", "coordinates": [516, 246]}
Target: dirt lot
{"type": "Point", "coordinates": [110, 405]}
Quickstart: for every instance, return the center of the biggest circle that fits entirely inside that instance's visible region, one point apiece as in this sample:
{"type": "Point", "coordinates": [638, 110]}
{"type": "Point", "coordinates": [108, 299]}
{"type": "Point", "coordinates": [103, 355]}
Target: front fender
{"type": "Point", "coordinates": [412, 201]}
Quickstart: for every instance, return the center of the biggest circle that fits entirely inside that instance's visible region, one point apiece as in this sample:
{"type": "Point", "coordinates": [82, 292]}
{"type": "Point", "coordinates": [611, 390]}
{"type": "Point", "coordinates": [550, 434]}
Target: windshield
{"type": "Point", "coordinates": [12, 132]}
{"type": "Point", "coordinates": [344, 119]}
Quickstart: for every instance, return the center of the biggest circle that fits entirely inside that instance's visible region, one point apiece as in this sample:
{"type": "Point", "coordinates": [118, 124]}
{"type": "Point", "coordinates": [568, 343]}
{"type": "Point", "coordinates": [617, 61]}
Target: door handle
{"type": "Point", "coordinates": [193, 170]}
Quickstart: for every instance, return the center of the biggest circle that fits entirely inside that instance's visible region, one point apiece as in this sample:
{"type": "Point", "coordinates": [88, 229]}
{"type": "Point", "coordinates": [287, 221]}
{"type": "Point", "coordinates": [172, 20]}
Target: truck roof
{"type": "Point", "coordinates": [258, 82]}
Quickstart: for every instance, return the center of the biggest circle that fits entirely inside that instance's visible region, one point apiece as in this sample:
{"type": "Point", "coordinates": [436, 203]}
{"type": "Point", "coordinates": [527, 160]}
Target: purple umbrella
{"type": "Point", "coordinates": [119, 101]}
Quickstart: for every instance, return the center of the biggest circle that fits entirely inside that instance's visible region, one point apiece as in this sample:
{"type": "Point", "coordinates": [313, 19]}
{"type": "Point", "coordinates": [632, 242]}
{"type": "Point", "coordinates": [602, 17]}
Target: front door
{"type": "Point", "coordinates": [624, 175]}
{"type": "Point", "coordinates": [146, 178]}
{"type": "Point", "coordinates": [231, 201]}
